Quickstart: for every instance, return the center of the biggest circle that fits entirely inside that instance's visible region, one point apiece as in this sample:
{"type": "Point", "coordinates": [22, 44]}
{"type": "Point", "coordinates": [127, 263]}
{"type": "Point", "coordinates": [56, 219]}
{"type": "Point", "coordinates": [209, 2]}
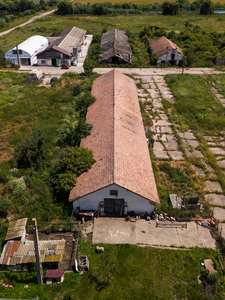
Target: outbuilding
{"type": "Point", "coordinates": [116, 47]}
{"type": "Point", "coordinates": [27, 51]}
{"type": "Point", "coordinates": [62, 49]}
{"type": "Point", "coordinates": [166, 51]}
{"type": "Point", "coordinates": [121, 180]}
{"type": "Point", "coordinates": [55, 275]}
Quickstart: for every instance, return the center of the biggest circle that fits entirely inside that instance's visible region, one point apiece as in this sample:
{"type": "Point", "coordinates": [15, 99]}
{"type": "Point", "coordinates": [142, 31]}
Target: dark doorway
{"type": "Point", "coordinates": [115, 59]}
{"type": "Point", "coordinates": [25, 61]}
{"type": "Point", "coordinates": [113, 207]}
{"type": "Point", "coordinates": [54, 62]}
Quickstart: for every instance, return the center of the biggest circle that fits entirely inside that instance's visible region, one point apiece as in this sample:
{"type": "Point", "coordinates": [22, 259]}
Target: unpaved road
{"type": "Point", "coordinates": [28, 22]}
{"type": "Point", "coordinates": [159, 71]}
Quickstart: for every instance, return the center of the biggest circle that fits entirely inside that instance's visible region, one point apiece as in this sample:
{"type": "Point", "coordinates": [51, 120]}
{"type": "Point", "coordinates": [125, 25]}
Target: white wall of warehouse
{"type": "Point", "coordinates": [135, 203]}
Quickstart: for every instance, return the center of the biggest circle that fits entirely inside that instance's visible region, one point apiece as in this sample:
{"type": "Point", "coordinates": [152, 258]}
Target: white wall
{"type": "Point", "coordinates": [168, 56]}
{"type": "Point", "coordinates": [135, 203]}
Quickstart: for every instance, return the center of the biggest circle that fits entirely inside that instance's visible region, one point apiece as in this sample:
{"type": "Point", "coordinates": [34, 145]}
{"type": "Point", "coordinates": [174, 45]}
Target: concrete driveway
{"type": "Point", "coordinates": [118, 231]}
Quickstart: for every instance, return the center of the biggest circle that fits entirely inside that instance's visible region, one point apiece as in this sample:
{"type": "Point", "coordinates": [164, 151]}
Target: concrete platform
{"type": "Point", "coordinates": [215, 199]}
{"type": "Point", "coordinates": [218, 213]}
{"type": "Point", "coordinates": [118, 231]}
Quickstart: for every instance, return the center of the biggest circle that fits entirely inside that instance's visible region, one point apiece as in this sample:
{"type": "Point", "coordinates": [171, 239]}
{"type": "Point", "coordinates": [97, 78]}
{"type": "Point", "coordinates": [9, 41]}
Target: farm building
{"type": "Point", "coordinates": [54, 275]}
{"type": "Point", "coordinates": [116, 47]}
{"type": "Point", "coordinates": [19, 255]}
{"type": "Point", "coordinates": [28, 50]}
{"type": "Point", "coordinates": [17, 230]}
{"type": "Point", "coordinates": [167, 52]}
{"type": "Point", "coordinates": [121, 180]}
{"type": "Point", "coordinates": [62, 49]}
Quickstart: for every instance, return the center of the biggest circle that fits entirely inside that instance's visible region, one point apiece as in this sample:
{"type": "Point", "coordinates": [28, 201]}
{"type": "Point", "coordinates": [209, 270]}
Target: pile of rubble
{"type": "Point", "coordinates": [6, 285]}
{"type": "Point", "coordinates": [164, 217]}
{"type": "Point", "coordinates": [206, 222]}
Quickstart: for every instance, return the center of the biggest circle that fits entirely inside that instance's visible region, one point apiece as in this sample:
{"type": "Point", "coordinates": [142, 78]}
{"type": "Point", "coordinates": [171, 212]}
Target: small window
{"type": "Point", "coordinates": [15, 52]}
{"type": "Point", "coordinates": [113, 192]}
{"type": "Point", "coordinates": [43, 61]}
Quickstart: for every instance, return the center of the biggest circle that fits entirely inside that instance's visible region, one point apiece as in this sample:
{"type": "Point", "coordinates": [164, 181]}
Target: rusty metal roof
{"type": "Point", "coordinates": [8, 251]}
{"type": "Point", "coordinates": [16, 229]}
{"type": "Point", "coordinates": [115, 43]}
{"type": "Point", "coordinates": [54, 273]}
{"type": "Point", "coordinates": [15, 252]}
{"type": "Point", "coordinates": [117, 140]}
{"type": "Point", "coordinates": [163, 46]}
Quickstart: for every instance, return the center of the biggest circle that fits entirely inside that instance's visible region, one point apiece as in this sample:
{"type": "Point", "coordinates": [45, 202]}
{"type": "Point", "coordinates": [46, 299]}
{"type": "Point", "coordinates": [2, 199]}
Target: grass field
{"type": "Point", "coordinates": [54, 24]}
{"type": "Point", "coordinates": [134, 273]}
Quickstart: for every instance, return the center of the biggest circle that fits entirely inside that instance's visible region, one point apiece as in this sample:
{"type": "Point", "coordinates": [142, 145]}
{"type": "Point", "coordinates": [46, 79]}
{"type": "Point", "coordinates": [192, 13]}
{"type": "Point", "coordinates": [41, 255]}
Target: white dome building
{"type": "Point", "coordinates": [28, 50]}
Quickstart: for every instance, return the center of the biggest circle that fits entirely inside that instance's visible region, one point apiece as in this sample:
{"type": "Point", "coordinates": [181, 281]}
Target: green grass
{"type": "Point", "coordinates": [94, 24]}
{"type": "Point", "coordinates": [134, 273]}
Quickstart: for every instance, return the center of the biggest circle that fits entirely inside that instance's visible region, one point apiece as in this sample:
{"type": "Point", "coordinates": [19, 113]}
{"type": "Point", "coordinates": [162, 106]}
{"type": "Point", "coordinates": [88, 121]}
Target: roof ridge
{"type": "Point", "coordinates": [66, 36]}
{"type": "Point", "coordinates": [114, 44]}
{"type": "Point", "coordinates": [114, 106]}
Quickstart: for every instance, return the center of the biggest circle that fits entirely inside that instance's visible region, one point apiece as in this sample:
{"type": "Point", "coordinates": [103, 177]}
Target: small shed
{"type": "Point", "coordinates": [116, 47]}
{"type": "Point", "coordinates": [28, 50]}
{"type": "Point", "coordinates": [17, 230]}
{"type": "Point", "coordinates": [167, 52]}
{"type": "Point", "coordinates": [176, 202]}
{"type": "Point", "coordinates": [56, 275]}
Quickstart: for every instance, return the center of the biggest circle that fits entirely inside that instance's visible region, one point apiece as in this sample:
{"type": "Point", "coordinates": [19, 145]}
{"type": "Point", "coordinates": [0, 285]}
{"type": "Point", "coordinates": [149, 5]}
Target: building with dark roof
{"type": "Point", "coordinates": [167, 52]}
{"type": "Point", "coordinates": [63, 49]}
{"type": "Point", "coordinates": [122, 178]}
{"type": "Point", "coordinates": [116, 47]}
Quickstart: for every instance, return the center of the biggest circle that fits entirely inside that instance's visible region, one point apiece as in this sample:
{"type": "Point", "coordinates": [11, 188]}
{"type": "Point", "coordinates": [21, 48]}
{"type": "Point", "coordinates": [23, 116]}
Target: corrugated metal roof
{"type": "Point", "coordinates": [115, 43]}
{"type": "Point", "coordinates": [32, 44]}
{"type": "Point", "coordinates": [50, 251]}
{"type": "Point", "coordinates": [54, 273]}
{"type": "Point", "coordinates": [8, 251]}
{"type": "Point", "coordinates": [16, 229]}
{"type": "Point", "coordinates": [117, 140]}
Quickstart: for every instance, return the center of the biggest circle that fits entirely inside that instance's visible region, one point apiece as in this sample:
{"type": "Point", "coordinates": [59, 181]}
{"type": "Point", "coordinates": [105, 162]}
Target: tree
{"type": "Point", "coordinates": [73, 162]}
{"type": "Point", "coordinates": [31, 152]}
{"type": "Point", "coordinates": [65, 7]}
{"type": "Point", "coordinates": [207, 7]}
{"type": "Point", "coordinates": [4, 206]}
{"type": "Point", "coordinates": [170, 8]}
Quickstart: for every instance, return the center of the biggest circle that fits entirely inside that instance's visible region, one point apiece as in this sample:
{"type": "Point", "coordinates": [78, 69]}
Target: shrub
{"type": "Point", "coordinates": [31, 152]}
{"type": "Point", "coordinates": [27, 13]}
{"type": "Point", "coordinates": [17, 185]}
{"type": "Point", "coordinates": [76, 90]}
{"type": "Point", "coordinates": [4, 206]}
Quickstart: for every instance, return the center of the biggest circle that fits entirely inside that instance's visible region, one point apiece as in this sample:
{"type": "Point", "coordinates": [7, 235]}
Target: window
{"type": "Point", "coordinates": [15, 52]}
{"type": "Point", "coordinates": [113, 192]}
{"type": "Point", "coordinates": [43, 61]}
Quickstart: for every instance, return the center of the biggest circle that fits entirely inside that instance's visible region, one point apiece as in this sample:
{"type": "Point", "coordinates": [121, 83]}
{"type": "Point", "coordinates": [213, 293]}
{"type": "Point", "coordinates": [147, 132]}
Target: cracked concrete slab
{"type": "Point", "coordinates": [208, 138]}
{"type": "Point", "coordinates": [176, 155]}
{"type": "Point", "coordinates": [212, 186]}
{"type": "Point", "coordinates": [116, 231]}
{"type": "Point", "coordinates": [161, 123]}
{"type": "Point", "coordinates": [218, 213]}
{"type": "Point", "coordinates": [221, 163]}
{"type": "Point", "coordinates": [187, 135]}
{"type": "Point", "coordinates": [158, 146]}
{"type": "Point", "coordinates": [171, 146]}
{"type": "Point", "coordinates": [164, 117]}
{"type": "Point", "coordinates": [160, 154]}
{"type": "Point", "coordinates": [199, 171]}
{"type": "Point", "coordinates": [145, 85]}
{"type": "Point", "coordinates": [217, 151]}
{"type": "Point", "coordinates": [215, 199]}
{"type": "Point", "coordinates": [196, 153]}
{"type": "Point", "coordinates": [166, 129]}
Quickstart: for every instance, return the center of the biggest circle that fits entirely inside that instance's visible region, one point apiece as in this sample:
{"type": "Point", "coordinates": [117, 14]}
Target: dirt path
{"type": "Point", "coordinates": [159, 71]}
{"type": "Point", "coordinates": [28, 22]}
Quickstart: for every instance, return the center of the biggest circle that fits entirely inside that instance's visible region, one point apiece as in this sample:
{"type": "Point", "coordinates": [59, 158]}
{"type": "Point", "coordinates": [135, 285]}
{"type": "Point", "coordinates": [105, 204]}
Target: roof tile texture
{"type": "Point", "coordinates": [54, 273]}
{"type": "Point", "coordinates": [117, 140]}
{"type": "Point", "coordinates": [164, 45]}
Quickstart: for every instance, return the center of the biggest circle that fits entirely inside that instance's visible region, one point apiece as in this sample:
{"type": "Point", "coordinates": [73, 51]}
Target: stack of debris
{"type": "Point", "coordinates": [206, 222]}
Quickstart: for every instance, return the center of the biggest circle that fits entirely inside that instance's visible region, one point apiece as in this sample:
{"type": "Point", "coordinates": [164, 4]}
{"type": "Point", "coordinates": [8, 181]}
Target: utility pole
{"type": "Point", "coordinates": [89, 67]}
{"type": "Point", "coordinates": [37, 253]}
{"type": "Point", "coordinates": [18, 55]}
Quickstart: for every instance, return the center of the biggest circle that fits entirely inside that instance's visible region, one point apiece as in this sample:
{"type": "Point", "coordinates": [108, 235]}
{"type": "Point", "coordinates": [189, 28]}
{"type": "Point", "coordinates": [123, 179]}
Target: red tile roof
{"type": "Point", "coordinates": [54, 273]}
{"type": "Point", "coordinates": [117, 140]}
{"type": "Point", "coordinates": [9, 249]}
{"type": "Point", "coordinates": [162, 46]}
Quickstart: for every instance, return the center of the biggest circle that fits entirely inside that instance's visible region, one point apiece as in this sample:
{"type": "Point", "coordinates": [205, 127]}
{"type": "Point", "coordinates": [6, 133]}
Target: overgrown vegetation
{"type": "Point", "coordinates": [41, 132]}
{"type": "Point", "coordinates": [127, 271]}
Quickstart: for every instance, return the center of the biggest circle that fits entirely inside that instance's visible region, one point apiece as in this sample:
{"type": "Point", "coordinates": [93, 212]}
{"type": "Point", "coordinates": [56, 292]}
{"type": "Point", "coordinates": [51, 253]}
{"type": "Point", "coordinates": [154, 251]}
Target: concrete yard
{"type": "Point", "coordinates": [118, 231]}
